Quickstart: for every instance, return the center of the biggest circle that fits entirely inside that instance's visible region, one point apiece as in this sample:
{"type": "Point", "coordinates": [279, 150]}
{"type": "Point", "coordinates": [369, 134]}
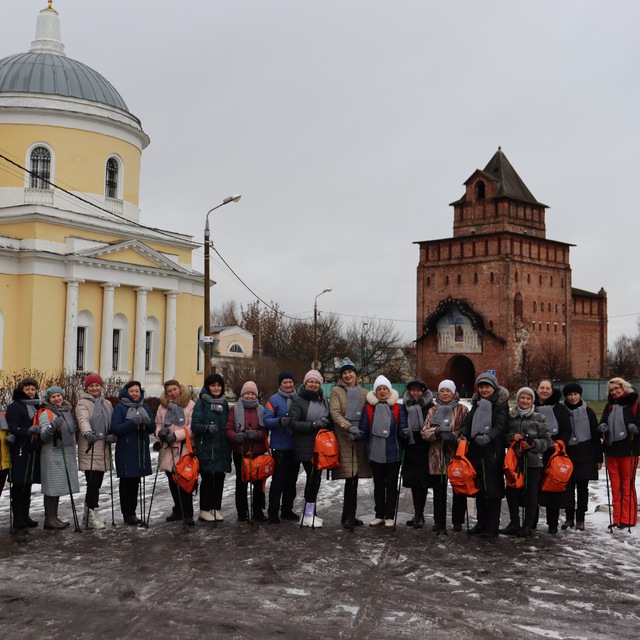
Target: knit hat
{"type": "Point", "coordinates": [28, 382]}
{"type": "Point", "coordinates": [348, 365]}
{"type": "Point", "coordinates": [417, 383]}
{"type": "Point", "coordinates": [212, 379]}
{"type": "Point", "coordinates": [487, 378]}
{"type": "Point", "coordinates": [528, 390]}
{"type": "Point", "coordinates": [51, 390]}
{"type": "Point", "coordinates": [313, 374]}
{"type": "Point", "coordinates": [285, 375]}
{"type": "Point", "coordinates": [92, 378]}
{"type": "Point", "coordinates": [248, 387]}
{"type": "Point", "coordinates": [447, 384]}
{"type": "Point", "coordinates": [381, 381]}
{"type": "Point", "coordinates": [571, 387]}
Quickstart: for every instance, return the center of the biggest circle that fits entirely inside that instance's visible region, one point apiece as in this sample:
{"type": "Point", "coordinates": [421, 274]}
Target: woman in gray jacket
{"type": "Point", "coordinates": [529, 430]}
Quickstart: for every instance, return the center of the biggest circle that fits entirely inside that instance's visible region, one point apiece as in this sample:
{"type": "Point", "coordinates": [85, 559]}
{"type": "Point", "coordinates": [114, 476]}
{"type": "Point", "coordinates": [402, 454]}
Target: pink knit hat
{"type": "Point", "coordinates": [92, 378]}
{"type": "Point", "coordinates": [249, 386]}
{"type": "Point", "coordinates": [313, 375]}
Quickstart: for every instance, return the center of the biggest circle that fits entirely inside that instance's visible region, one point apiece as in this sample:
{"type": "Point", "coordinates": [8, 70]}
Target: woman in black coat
{"type": "Point", "coordinates": [485, 427]}
{"type": "Point", "coordinates": [25, 452]}
{"type": "Point", "coordinates": [559, 423]}
{"type": "Point", "coordinates": [417, 400]}
{"type": "Point", "coordinates": [585, 451]}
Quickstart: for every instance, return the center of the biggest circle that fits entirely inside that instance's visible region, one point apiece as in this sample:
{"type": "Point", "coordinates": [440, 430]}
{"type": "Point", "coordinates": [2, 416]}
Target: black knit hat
{"type": "Point", "coordinates": [212, 379]}
{"type": "Point", "coordinates": [417, 383]}
{"type": "Point", "coordinates": [571, 387]}
{"type": "Point", "coordinates": [348, 365]}
{"type": "Point", "coordinates": [285, 375]}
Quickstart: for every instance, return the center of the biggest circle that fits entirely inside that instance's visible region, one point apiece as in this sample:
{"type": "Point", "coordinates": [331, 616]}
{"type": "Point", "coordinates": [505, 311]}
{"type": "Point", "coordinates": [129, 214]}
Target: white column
{"type": "Point", "coordinates": [106, 342]}
{"type": "Point", "coordinates": [71, 326]}
{"type": "Point", "coordinates": [170, 336]}
{"type": "Point", "coordinates": [141, 334]}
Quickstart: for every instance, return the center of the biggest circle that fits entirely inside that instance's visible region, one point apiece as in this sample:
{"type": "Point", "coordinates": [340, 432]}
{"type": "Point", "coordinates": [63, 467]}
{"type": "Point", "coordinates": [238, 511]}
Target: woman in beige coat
{"type": "Point", "coordinates": [346, 403]}
{"type": "Point", "coordinates": [173, 427]}
{"type": "Point", "coordinates": [93, 413]}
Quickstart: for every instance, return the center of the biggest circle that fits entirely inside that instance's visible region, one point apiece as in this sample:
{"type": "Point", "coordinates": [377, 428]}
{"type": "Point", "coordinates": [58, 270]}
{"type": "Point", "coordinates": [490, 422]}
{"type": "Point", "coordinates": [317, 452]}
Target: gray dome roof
{"type": "Point", "coordinates": [58, 75]}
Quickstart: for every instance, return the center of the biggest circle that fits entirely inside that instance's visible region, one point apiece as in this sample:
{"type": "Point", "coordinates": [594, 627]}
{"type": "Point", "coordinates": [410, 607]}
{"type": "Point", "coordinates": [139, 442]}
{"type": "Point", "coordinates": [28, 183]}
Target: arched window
{"type": "Point", "coordinates": [446, 279]}
{"type": "Point", "coordinates": [480, 190]}
{"type": "Point", "coordinates": [40, 166]}
{"type": "Point", "coordinates": [475, 278]}
{"type": "Point", "coordinates": [535, 307]}
{"type": "Point", "coordinates": [111, 181]}
{"type": "Point", "coordinates": [491, 277]}
{"type": "Point", "coordinates": [459, 279]}
{"type": "Point", "coordinates": [236, 349]}
{"type": "Point", "coordinates": [84, 345]}
{"type": "Point", "coordinates": [428, 281]}
{"type": "Point", "coordinates": [120, 345]}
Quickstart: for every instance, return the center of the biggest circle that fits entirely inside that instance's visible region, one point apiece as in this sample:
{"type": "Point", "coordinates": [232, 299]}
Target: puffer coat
{"type": "Point", "coordinates": [213, 449]}
{"type": "Point", "coordinates": [534, 426]}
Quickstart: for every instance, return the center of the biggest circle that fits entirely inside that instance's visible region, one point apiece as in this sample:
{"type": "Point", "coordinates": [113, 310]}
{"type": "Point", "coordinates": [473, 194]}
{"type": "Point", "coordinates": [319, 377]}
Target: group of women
{"type": "Point", "coordinates": [411, 443]}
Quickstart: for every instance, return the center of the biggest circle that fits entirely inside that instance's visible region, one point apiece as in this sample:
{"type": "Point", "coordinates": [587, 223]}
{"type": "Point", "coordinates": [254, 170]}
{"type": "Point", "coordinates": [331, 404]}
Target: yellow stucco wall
{"type": "Point", "coordinates": [189, 313]}
{"type": "Point", "coordinates": [79, 157]}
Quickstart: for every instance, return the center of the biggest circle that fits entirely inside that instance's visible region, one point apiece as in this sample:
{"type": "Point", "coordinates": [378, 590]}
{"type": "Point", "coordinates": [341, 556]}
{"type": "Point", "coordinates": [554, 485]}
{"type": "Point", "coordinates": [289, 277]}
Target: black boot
{"type": "Point", "coordinates": [512, 529]}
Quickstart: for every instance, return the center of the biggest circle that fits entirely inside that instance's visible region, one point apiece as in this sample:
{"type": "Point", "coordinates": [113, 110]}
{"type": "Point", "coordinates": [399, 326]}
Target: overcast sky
{"type": "Point", "coordinates": [349, 126]}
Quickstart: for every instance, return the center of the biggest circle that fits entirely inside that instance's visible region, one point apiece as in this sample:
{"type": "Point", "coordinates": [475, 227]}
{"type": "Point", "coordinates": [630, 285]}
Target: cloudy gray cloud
{"type": "Point", "coordinates": [349, 126]}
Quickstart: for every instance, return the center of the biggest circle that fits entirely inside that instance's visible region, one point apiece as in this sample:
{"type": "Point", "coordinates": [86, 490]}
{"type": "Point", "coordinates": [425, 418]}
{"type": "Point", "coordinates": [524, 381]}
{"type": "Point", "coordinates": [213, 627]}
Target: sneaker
{"type": "Point", "coordinates": [389, 523]}
{"type": "Point", "coordinates": [206, 516]}
{"type": "Point", "coordinates": [376, 522]}
{"type": "Point", "coordinates": [217, 515]}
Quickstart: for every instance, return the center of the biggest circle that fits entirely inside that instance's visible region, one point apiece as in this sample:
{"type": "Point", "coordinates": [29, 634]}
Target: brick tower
{"type": "Point", "coordinates": [497, 295]}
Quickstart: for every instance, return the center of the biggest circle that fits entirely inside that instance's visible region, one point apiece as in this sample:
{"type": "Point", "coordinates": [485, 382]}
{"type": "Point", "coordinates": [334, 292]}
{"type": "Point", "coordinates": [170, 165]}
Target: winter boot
{"type": "Point", "coordinates": [512, 529]}
{"type": "Point", "coordinates": [30, 522]}
{"type": "Point", "coordinates": [64, 523]}
{"type": "Point", "coordinates": [94, 521]}
{"type": "Point", "coordinates": [309, 519]}
{"type": "Point", "coordinates": [50, 513]}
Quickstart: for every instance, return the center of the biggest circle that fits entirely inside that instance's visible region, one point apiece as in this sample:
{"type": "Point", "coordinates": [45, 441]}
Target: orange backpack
{"type": "Point", "coordinates": [512, 466]}
{"type": "Point", "coordinates": [558, 471]}
{"type": "Point", "coordinates": [461, 474]}
{"type": "Point", "coordinates": [325, 451]}
{"type": "Point", "coordinates": [186, 469]}
{"type": "Point", "coordinates": [258, 467]}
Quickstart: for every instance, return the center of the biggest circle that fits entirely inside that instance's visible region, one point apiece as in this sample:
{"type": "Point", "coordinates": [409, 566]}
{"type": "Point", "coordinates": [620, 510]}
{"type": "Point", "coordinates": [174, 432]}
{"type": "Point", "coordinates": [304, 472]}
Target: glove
{"type": "Point", "coordinates": [163, 433]}
{"type": "Point", "coordinates": [137, 419]}
{"type": "Point", "coordinates": [440, 429]}
{"type": "Point", "coordinates": [321, 423]}
{"type": "Point", "coordinates": [144, 418]}
{"type": "Point", "coordinates": [529, 439]}
{"type": "Point", "coordinates": [34, 430]}
{"type": "Point", "coordinates": [91, 437]}
{"type": "Point", "coordinates": [171, 438]}
{"type": "Point", "coordinates": [406, 432]}
{"type": "Point", "coordinates": [252, 435]}
{"type": "Point", "coordinates": [354, 431]}
{"type": "Point", "coordinates": [57, 423]}
{"type": "Point", "coordinates": [285, 421]}
{"type": "Point", "coordinates": [112, 438]}
{"type": "Point", "coordinates": [448, 437]}
{"type": "Point", "coordinates": [353, 437]}
{"type": "Point", "coordinates": [10, 438]}
{"type": "Point", "coordinates": [632, 429]}
{"type": "Point", "coordinates": [603, 427]}
{"type": "Point", "coordinates": [482, 440]}
{"type": "Point", "coordinates": [212, 428]}
{"type": "Point", "coordinates": [239, 437]}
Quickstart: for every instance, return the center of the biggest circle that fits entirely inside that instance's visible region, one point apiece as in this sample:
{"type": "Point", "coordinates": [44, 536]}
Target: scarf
{"type": "Point", "coordinates": [31, 404]}
{"type": "Point", "coordinates": [617, 427]}
{"type": "Point", "coordinates": [525, 413]}
{"type": "Point", "coordinates": [288, 396]}
{"type": "Point", "coordinates": [215, 404]}
{"type": "Point", "coordinates": [100, 420]}
{"type": "Point", "coordinates": [547, 411]}
{"type": "Point", "coordinates": [133, 407]}
{"type": "Point", "coordinates": [68, 429]}
{"type": "Point", "coordinates": [442, 416]}
{"type": "Point", "coordinates": [174, 415]}
{"type": "Point", "coordinates": [380, 431]}
{"type": "Point", "coordinates": [580, 427]}
{"type": "Point", "coordinates": [239, 408]}
{"type": "Point", "coordinates": [317, 409]}
{"type": "Point", "coordinates": [482, 418]}
{"type": "Point", "coordinates": [353, 411]}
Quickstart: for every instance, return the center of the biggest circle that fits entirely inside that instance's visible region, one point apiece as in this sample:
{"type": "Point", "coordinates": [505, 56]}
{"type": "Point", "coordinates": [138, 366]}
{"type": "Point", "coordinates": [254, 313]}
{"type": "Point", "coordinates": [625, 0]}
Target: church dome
{"type": "Point", "coordinates": [57, 75]}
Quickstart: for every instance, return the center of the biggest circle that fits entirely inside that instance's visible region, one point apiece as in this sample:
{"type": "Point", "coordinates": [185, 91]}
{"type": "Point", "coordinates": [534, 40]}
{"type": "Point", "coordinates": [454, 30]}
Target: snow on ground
{"type": "Point", "coordinates": [246, 580]}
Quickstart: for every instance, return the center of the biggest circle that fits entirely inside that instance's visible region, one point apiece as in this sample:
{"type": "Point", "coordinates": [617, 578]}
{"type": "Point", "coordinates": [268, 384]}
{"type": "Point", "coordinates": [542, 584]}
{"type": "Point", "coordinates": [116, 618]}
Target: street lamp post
{"type": "Point", "coordinates": [315, 328]}
{"type": "Point", "coordinates": [206, 328]}
{"type": "Point", "coordinates": [363, 365]}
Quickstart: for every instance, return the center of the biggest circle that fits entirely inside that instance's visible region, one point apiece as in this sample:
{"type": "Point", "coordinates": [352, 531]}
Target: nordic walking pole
{"type": "Point", "coordinates": [631, 474]}
{"type": "Point", "coordinates": [213, 475]}
{"type": "Point", "coordinates": [86, 519]}
{"type": "Point", "coordinates": [395, 516]}
{"type": "Point", "coordinates": [73, 504]}
{"type": "Point", "coordinates": [113, 512]}
{"type": "Point", "coordinates": [153, 491]}
{"type": "Point", "coordinates": [175, 479]}
{"type": "Point", "coordinates": [251, 484]}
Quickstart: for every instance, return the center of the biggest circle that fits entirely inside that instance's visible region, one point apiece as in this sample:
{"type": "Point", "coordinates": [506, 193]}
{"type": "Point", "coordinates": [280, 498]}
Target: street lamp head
{"type": "Point", "coordinates": [327, 291]}
{"type": "Point", "coordinates": [232, 198]}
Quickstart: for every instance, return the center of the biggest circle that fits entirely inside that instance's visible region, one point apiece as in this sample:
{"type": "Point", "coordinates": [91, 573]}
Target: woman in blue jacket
{"type": "Point", "coordinates": [131, 423]}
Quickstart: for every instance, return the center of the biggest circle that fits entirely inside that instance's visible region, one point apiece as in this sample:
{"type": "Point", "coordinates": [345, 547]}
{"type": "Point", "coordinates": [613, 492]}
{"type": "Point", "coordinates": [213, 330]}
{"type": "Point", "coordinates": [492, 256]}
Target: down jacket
{"type": "Point", "coordinates": [133, 459]}
{"type": "Point", "coordinates": [353, 455]}
{"type": "Point", "coordinates": [171, 453]}
{"type": "Point", "coordinates": [213, 449]}
{"type": "Point", "coordinates": [100, 460]}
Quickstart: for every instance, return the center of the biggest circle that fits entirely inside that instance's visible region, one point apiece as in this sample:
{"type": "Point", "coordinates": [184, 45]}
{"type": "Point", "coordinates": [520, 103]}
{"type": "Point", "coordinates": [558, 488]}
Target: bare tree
{"type": "Point", "coordinates": [552, 363]}
{"type": "Point", "coordinates": [624, 357]}
{"type": "Point", "coordinates": [225, 316]}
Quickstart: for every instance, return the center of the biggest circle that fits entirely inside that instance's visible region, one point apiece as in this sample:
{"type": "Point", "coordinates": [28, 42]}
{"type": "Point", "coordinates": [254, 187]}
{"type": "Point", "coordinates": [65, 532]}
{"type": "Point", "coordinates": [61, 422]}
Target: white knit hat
{"type": "Point", "coordinates": [447, 384]}
{"type": "Point", "coordinates": [381, 381]}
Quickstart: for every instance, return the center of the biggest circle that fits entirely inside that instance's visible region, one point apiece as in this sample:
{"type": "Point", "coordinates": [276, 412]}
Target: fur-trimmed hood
{"type": "Point", "coordinates": [498, 397]}
{"type": "Point", "coordinates": [183, 400]}
{"type": "Point", "coordinates": [372, 399]}
{"type": "Point", "coordinates": [624, 400]}
{"type": "Point", "coordinates": [424, 401]}
{"type": "Point", "coordinates": [555, 398]}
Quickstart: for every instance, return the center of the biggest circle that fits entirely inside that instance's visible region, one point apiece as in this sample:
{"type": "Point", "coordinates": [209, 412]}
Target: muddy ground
{"type": "Point", "coordinates": [243, 580]}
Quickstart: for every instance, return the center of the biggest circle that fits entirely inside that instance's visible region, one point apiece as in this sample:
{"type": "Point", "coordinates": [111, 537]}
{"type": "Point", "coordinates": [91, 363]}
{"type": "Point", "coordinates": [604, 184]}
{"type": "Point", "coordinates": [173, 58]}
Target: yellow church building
{"type": "Point", "coordinates": [84, 285]}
